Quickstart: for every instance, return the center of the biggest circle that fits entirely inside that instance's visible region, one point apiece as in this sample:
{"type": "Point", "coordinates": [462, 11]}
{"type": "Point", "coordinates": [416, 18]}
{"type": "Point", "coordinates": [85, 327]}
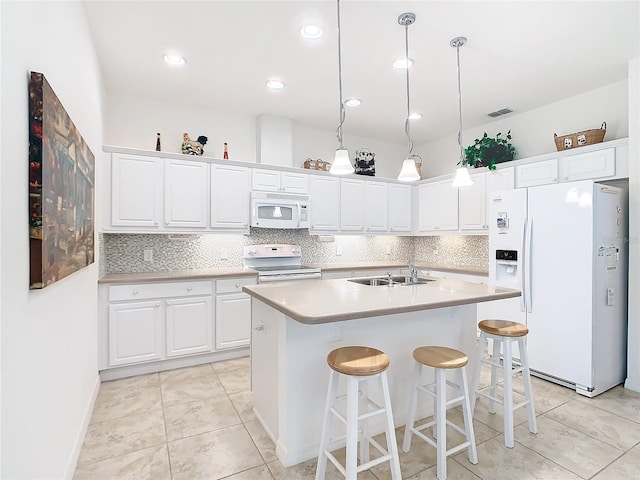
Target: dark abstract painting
{"type": "Point", "coordinates": [61, 189]}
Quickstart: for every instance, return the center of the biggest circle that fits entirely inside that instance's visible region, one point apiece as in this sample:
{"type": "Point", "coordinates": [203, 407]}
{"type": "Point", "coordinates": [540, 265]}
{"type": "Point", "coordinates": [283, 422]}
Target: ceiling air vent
{"type": "Point", "coordinates": [498, 113]}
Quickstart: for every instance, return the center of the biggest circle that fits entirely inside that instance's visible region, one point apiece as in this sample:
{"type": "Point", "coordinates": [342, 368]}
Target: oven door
{"type": "Point", "coordinates": [289, 277]}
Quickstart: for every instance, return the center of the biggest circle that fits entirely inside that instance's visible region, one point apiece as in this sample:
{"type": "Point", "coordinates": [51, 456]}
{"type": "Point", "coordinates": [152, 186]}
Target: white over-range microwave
{"type": "Point", "coordinates": [279, 210]}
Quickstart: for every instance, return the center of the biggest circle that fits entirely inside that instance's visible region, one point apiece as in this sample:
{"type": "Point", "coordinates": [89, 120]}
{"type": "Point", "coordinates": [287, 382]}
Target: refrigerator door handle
{"type": "Point", "coordinates": [523, 298]}
{"type": "Point", "coordinates": [527, 264]}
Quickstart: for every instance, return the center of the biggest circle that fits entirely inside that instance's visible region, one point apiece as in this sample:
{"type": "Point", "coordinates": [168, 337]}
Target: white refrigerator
{"type": "Point", "coordinates": [564, 246]}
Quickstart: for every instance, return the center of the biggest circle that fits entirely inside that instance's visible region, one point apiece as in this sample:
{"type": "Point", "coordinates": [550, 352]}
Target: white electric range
{"type": "Point", "coordinates": [278, 263]}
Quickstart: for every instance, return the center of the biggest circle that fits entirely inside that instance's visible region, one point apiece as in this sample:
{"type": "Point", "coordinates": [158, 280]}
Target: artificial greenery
{"type": "Point", "coordinates": [487, 151]}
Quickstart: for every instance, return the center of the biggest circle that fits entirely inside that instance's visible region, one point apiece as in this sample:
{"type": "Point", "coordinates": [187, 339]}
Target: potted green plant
{"type": "Point", "coordinates": [487, 151]}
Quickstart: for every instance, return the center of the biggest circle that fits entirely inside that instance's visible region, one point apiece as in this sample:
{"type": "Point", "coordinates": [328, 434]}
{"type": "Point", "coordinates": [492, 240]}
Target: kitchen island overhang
{"type": "Point", "coordinates": [295, 325]}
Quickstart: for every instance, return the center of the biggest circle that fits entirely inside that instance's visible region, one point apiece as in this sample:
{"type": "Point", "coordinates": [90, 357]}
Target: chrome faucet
{"type": "Point", "coordinates": [389, 279]}
{"type": "Point", "coordinates": [413, 271]}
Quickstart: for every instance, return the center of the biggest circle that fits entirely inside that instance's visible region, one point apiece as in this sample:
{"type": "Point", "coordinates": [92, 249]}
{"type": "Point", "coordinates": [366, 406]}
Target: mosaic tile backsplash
{"type": "Point", "coordinates": [124, 253]}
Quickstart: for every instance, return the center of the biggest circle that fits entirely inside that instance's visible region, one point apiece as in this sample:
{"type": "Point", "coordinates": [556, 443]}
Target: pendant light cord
{"type": "Point", "coordinates": [407, 125]}
{"type": "Point", "coordinates": [458, 44]}
{"type": "Point", "coordinates": [342, 110]}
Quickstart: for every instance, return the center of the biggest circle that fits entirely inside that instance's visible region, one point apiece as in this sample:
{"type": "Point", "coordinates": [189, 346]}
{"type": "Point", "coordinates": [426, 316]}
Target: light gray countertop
{"type": "Point", "coordinates": [324, 301]}
{"type": "Point", "coordinates": [193, 274]}
{"type": "Point", "coordinates": [463, 269]}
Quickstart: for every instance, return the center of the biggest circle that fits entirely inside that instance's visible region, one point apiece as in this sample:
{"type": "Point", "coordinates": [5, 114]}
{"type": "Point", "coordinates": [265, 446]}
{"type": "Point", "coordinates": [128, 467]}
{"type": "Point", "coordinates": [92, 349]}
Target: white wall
{"type": "Point", "coordinates": [633, 352]}
{"type": "Point", "coordinates": [532, 131]}
{"type": "Point", "coordinates": [134, 121]}
{"type": "Point", "coordinates": [322, 144]}
{"type": "Point", "coordinates": [49, 337]}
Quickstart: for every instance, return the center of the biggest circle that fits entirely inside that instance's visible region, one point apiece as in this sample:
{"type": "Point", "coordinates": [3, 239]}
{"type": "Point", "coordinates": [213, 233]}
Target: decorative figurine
{"type": "Point", "coordinates": [191, 147]}
{"type": "Point", "coordinates": [158, 149]}
{"type": "Point", "coordinates": [225, 155]}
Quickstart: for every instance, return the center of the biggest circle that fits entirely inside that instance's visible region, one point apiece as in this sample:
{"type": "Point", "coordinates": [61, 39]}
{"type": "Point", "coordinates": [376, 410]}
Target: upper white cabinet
{"type": "Point", "coordinates": [472, 199]}
{"type": "Point", "coordinates": [438, 204]}
{"type": "Point", "coordinates": [598, 164]}
{"type": "Point", "coordinates": [324, 195]}
{"type": "Point", "coordinates": [136, 191]}
{"type": "Point", "coordinates": [500, 179]}
{"type": "Point", "coordinates": [186, 194]}
{"type": "Point", "coordinates": [376, 206]}
{"type": "Point", "coordinates": [277, 181]}
{"type": "Point", "coordinates": [537, 173]}
{"type": "Point", "coordinates": [399, 206]}
{"type": "Point", "coordinates": [230, 197]}
{"type": "Point", "coordinates": [352, 205]}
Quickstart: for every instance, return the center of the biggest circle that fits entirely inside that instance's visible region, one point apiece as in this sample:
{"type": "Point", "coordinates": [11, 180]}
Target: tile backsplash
{"type": "Point", "coordinates": [124, 253]}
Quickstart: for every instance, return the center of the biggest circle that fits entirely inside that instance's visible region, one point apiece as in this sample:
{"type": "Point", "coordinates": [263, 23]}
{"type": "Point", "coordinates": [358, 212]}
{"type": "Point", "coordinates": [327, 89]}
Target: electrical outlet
{"type": "Point", "coordinates": [338, 250]}
{"type": "Point", "coordinates": [435, 251]}
{"type": "Point", "coordinates": [148, 255]}
{"type": "Point", "coordinates": [387, 250]}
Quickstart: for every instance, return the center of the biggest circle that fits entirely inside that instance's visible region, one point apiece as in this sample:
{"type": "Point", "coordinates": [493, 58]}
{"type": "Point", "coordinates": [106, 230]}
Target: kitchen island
{"type": "Point", "coordinates": [295, 325]}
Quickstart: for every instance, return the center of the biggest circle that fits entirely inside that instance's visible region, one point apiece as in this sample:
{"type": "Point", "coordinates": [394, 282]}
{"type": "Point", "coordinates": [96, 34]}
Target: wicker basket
{"type": "Point", "coordinates": [580, 139]}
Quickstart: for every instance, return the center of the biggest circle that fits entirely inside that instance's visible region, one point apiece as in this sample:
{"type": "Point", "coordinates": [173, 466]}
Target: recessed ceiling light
{"type": "Point", "coordinates": [352, 102]}
{"type": "Point", "coordinates": [311, 32]}
{"type": "Point", "coordinates": [415, 116]}
{"type": "Point", "coordinates": [174, 60]}
{"type": "Point", "coordinates": [275, 84]}
{"type": "Point", "coordinates": [402, 63]}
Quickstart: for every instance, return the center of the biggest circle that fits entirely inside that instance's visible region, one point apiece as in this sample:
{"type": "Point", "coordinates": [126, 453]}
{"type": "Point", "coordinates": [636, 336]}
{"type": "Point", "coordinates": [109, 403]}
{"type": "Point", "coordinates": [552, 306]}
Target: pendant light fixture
{"type": "Point", "coordinates": [462, 178]}
{"type": "Point", "coordinates": [409, 172]}
{"type": "Point", "coordinates": [341, 163]}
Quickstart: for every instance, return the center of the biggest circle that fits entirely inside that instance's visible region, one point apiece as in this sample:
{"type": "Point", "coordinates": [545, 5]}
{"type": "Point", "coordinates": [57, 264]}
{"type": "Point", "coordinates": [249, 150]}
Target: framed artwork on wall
{"type": "Point", "coordinates": [61, 190]}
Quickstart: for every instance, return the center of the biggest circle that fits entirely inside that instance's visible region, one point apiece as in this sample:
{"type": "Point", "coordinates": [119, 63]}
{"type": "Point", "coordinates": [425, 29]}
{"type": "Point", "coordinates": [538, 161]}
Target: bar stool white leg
{"type": "Point", "coordinates": [326, 427]}
{"type": "Point", "coordinates": [392, 446]}
{"type": "Point", "coordinates": [508, 392]}
{"type": "Point", "coordinates": [352, 428]}
{"type": "Point", "coordinates": [417, 372]}
{"type": "Point", "coordinates": [441, 423]}
{"type": "Point", "coordinates": [495, 358]}
{"type": "Point", "coordinates": [482, 342]}
{"type": "Point", "coordinates": [468, 416]}
{"type": "Point", "coordinates": [526, 380]}
{"type": "Point", "coordinates": [363, 392]}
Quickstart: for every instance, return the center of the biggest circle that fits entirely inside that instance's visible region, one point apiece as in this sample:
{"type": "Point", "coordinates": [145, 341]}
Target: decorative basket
{"type": "Point", "coordinates": [580, 139]}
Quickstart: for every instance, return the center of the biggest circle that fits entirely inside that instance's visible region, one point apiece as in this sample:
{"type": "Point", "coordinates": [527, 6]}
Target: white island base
{"type": "Point", "coordinates": [289, 371]}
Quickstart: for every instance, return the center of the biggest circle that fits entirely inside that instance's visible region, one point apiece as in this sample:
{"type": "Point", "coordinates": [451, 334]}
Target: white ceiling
{"type": "Point", "coordinates": [519, 55]}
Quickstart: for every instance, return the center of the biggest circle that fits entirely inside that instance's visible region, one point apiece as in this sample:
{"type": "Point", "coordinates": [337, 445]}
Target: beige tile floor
{"type": "Point", "coordinates": [197, 423]}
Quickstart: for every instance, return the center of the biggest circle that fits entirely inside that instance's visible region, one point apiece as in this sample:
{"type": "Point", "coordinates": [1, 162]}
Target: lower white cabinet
{"type": "Point", "coordinates": [189, 326]}
{"type": "Point", "coordinates": [135, 332]}
{"type": "Point", "coordinates": [156, 321]}
{"type": "Point", "coordinates": [233, 313]}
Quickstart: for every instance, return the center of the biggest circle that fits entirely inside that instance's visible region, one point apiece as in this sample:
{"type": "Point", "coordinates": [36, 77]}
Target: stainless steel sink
{"type": "Point", "coordinates": [370, 281]}
{"type": "Point", "coordinates": [395, 280]}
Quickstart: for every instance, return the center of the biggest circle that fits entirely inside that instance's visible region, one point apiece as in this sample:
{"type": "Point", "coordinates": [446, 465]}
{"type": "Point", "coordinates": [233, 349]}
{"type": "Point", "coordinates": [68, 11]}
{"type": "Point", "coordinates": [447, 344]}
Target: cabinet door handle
{"type": "Point", "coordinates": [157, 305]}
{"type": "Point", "coordinates": [135, 292]}
{"type": "Point", "coordinates": [566, 178]}
{"type": "Point", "coordinates": [168, 303]}
{"type": "Point", "coordinates": [189, 289]}
{"type": "Point", "coordinates": [237, 285]}
{"type": "Point", "coordinates": [555, 179]}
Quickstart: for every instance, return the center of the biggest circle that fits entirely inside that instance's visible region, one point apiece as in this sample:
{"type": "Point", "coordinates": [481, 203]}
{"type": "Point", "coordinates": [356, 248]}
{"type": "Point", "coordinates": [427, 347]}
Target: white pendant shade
{"type": "Point", "coordinates": [462, 178]}
{"type": "Point", "coordinates": [409, 172]}
{"type": "Point", "coordinates": [341, 163]}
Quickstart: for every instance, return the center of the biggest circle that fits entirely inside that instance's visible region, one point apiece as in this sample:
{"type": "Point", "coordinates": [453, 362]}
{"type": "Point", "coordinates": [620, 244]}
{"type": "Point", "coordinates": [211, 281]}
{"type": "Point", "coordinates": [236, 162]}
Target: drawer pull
{"type": "Point", "coordinates": [237, 285]}
{"type": "Point", "coordinates": [189, 289]}
{"type": "Point", "coordinates": [168, 303]}
{"type": "Point", "coordinates": [157, 305]}
{"type": "Point", "coordinates": [135, 292]}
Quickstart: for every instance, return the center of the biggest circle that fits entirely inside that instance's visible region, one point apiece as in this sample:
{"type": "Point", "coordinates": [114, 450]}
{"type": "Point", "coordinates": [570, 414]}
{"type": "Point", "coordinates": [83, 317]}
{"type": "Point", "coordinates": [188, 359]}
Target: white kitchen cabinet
{"type": "Point", "coordinates": [376, 207]}
{"type": "Point", "coordinates": [597, 164]}
{"type": "Point", "coordinates": [352, 205]}
{"type": "Point", "coordinates": [472, 200]}
{"type": "Point", "coordinates": [186, 194]}
{"type": "Point", "coordinates": [537, 173]}
{"type": "Point", "coordinates": [230, 208]}
{"type": "Point", "coordinates": [277, 181]}
{"type": "Point", "coordinates": [233, 313]}
{"type": "Point", "coordinates": [399, 207]}
{"type": "Point", "coordinates": [189, 325]}
{"type": "Point", "coordinates": [136, 191]}
{"type": "Point", "coordinates": [500, 179]}
{"type": "Point", "coordinates": [154, 321]}
{"type": "Point", "coordinates": [438, 204]}
{"type": "Point", "coordinates": [135, 332]}
{"type": "Point", "coordinates": [324, 198]}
